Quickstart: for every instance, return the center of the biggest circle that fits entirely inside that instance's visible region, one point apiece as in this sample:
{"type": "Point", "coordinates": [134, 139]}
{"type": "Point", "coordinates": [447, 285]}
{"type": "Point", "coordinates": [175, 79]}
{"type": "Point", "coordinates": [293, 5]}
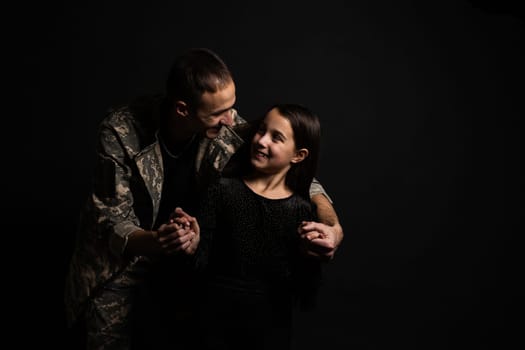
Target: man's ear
{"type": "Point", "coordinates": [181, 108]}
{"type": "Point", "coordinates": [300, 155]}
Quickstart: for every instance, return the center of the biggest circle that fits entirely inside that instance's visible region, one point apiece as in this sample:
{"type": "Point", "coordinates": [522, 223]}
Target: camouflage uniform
{"type": "Point", "coordinates": [126, 197]}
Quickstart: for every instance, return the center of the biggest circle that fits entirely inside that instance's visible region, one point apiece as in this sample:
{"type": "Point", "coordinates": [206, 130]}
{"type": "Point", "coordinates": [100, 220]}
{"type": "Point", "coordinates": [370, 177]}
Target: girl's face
{"type": "Point", "coordinates": [273, 146]}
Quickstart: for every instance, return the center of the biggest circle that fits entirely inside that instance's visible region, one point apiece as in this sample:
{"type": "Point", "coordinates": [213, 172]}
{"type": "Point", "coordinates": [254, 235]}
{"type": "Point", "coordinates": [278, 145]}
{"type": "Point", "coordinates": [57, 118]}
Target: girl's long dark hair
{"type": "Point", "coordinates": [307, 134]}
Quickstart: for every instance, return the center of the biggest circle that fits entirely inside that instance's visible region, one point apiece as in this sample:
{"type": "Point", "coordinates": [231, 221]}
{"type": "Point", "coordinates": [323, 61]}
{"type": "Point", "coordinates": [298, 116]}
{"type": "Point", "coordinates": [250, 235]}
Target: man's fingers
{"type": "Point", "coordinates": [177, 237]}
{"type": "Point", "coordinates": [188, 246]}
{"type": "Point", "coordinates": [181, 213]}
{"type": "Point", "coordinates": [181, 222]}
{"type": "Point", "coordinates": [312, 235]}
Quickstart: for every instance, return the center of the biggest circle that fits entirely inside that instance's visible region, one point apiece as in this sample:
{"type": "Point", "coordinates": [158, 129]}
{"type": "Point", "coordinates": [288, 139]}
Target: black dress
{"type": "Point", "coordinates": [254, 270]}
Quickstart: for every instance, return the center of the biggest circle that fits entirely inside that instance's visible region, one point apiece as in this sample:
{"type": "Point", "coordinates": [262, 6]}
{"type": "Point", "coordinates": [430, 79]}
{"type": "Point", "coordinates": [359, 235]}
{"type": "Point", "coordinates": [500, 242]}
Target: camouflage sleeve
{"type": "Point", "coordinates": [112, 197]}
{"type": "Point", "coordinates": [237, 119]}
{"type": "Point", "coordinates": [317, 188]}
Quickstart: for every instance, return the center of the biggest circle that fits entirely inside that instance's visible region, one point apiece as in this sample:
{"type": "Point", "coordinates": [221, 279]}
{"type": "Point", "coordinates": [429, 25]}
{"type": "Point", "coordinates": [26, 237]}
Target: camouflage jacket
{"type": "Point", "coordinates": [126, 194]}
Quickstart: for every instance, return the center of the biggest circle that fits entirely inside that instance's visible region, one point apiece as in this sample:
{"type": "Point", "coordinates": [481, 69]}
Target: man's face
{"type": "Point", "coordinates": [215, 110]}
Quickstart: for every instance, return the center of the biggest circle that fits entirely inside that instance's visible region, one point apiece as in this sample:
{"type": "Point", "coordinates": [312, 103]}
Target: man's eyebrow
{"type": "Point", "coordinates": [222, 110]}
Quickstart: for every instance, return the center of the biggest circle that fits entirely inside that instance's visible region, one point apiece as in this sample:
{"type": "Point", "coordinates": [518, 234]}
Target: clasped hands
{"type": "Point", "coordinates": [180, 235]}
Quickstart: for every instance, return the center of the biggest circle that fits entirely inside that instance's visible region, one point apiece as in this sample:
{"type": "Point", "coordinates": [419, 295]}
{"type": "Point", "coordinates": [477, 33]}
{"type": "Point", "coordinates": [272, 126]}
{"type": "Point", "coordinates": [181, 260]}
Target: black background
{"type": "Point", "coordinates": [419, 104]}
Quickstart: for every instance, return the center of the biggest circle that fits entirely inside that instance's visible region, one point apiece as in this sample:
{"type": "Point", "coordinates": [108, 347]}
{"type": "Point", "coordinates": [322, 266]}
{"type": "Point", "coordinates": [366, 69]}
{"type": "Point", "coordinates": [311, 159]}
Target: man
{"type": "Point", "coordinates": [154, 155]}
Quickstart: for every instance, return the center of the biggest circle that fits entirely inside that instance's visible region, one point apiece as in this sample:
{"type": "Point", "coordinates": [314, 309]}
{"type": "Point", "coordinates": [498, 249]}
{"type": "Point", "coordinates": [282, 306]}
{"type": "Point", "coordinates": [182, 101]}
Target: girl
{"type": "Point", "coordinates": [250, 248]}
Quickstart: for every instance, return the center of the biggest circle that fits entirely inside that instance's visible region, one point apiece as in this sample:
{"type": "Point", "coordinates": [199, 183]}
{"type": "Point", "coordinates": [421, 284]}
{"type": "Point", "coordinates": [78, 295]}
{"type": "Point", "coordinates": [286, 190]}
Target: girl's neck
{"type": "Point", "coordinates": [269, 186]}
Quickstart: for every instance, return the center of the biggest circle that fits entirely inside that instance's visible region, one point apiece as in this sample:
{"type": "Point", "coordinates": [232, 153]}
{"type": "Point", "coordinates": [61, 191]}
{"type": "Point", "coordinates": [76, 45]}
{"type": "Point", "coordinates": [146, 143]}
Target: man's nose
{"type": "Point", "coordinates": [227, 119]}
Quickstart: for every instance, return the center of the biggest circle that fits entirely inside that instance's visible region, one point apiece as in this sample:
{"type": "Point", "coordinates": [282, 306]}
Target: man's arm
{"type": "Point", "coordinates": [170, 238]}
{"type": "Point", "coordinates": [322, 238]}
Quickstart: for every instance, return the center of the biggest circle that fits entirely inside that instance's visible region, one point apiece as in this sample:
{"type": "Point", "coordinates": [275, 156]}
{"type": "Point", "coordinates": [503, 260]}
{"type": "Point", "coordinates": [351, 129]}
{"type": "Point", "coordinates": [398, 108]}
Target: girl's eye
{"type": "Point", "coordinates": [277, 137]}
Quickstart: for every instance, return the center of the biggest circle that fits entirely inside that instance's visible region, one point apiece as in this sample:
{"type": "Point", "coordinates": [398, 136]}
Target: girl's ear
{"type": "Point", "coordinates": [300, 155]}
{"type": "Point", "coordinates": [181, 108]}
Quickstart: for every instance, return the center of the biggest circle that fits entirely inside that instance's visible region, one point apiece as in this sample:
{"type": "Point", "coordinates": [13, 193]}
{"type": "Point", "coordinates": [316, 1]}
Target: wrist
{"type": "Point", "coordinates": [339, 234]}
{"type": "Point", "coordinates": [155, 235]}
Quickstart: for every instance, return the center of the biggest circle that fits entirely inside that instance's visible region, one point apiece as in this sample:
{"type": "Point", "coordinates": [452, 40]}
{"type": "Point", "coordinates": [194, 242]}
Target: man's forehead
{"type": "Point", "coordinates": [215, 102]}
